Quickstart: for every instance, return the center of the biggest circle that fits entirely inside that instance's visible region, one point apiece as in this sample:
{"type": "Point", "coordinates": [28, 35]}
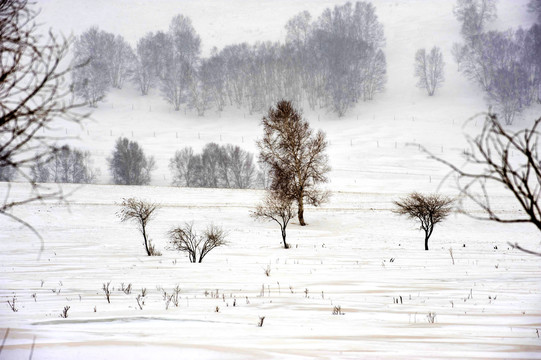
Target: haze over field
{"type": "Point", "coordinates": [356, 282]}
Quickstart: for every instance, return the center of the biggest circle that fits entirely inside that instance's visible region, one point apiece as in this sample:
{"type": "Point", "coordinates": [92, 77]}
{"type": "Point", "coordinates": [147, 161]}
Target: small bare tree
{"type": "Point", "coordinates": [141, 212]}
{"type": "Point", "coordinates": [277, 208]}
{"type": "Point", "coordinates": [498, 156]}
{"type": "Point", "coordinates": [428, 209]}
{"type": "Point", "coordinates": [187, 240]}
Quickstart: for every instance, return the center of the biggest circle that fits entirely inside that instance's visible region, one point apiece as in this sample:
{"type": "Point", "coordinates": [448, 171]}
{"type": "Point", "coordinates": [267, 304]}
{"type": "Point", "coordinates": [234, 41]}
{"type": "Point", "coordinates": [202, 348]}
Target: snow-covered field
{"type": "Point", "coordinates": [355, 253]}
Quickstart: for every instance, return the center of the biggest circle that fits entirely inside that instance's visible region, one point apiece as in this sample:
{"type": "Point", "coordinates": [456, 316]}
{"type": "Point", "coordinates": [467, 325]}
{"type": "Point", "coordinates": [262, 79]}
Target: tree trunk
{"type": "Point", "coordinates": [284, 238]}
{"type": "Point", "coordinates": [146, 242]}
{"type": "Point", "coordinates": [300, 210]}
{"type": "Point", "coordinates": [427, 236]}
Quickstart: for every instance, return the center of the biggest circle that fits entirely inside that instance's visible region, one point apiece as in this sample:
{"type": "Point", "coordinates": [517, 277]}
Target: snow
{"type": "Point", "coordinates": [355, 253]}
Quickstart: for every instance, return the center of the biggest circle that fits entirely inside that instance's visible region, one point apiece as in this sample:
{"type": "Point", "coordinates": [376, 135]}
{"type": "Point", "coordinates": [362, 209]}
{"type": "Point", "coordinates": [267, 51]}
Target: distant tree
{"type": "Point", "coordinates": [7, 173]}
{"type": "Point", "coordinates": [185, 167]}
{"type": "Point", "coordinates": [39, 171]}
{"type": "Point", "coordinates": [33, 95]}
{"type": "Point", "coordinates": [296, 156]}
{"type": "Point", "coordinates": [140, 212]}
{"type": "Point", "coordinates": [495, 50]}
{"type": "Point", "coordinates": [91, 82]}
{"type": "Point", "coordinates": [474, 16]}
{"type": "Point", "coordinates": [121, 61]}
{"type": "Point", "coordinates": [428, 209]}
{"type": "Point", "coordinates": [298, 29]}
{"type": "Point", "coordinates": [510, 92]}
{"type": "Point", "coordinates": [66, 165]}
{"type": "Point", "coordinates": [241, 167]}
{"type": "Point", "coordinates": [199, 94]}
{"type": "Point", "coordinates": [180, 60]}
{"type": "Point", "coordinates": [374, 75]}
{"type": "Point", "coordinates": [213, 79]}
{"type": "Point", "coordinates": [186, 239]}
{"type": "Point", "coordinates": [144, 67]}
{"type": "Point", "coordinates": [459, 52]}
{"type": "Point", "coordinates": [531, 58]}
{"type": "Point", "coordinates": [129, 165]}
{"type": "Point", "coordinates": [534, 6]}
{"type": "Point", "coordinates": [210, 173]}
{"type": "Point", "coordinates": [276, 208]}
{"type": "Point", "coordinates": [429, 69]}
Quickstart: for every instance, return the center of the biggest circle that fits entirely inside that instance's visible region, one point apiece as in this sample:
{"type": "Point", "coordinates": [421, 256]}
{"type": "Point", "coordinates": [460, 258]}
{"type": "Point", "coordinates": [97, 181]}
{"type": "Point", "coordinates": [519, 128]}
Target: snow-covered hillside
{"type": "Point", "coordinates": [355, 253]}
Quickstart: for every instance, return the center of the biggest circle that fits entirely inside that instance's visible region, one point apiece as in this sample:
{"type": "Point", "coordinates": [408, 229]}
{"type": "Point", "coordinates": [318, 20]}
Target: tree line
{"type": "Point", "coordinates": [506, 65]}
{"type": "Point", "coordinates": [218, 166]}
{"type": "Point", "coordinates": [331, 62]}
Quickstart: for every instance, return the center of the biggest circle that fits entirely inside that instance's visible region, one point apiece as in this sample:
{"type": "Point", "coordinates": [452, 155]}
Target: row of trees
{"type": "Point", "coordinates": [218, 166]}
{"type": "Point", "coordinates": [506, 65]}
{"type": "Point", "coordinates": [332, 62]}
{"type": "Point", "coordinates": [65, 165]}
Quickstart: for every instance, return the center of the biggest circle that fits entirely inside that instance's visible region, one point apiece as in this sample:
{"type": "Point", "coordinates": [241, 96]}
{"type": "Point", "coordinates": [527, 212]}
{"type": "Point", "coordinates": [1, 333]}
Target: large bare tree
{"type": "Point", "coordinates": [296, 156]}
{"type": "Point", "coordinates": [497, 156]}
{"type": "Point", "coordinates": [34, 93]}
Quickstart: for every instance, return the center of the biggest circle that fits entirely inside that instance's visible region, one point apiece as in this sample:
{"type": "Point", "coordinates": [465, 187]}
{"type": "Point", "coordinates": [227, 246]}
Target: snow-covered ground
{"type": "Point", "coordinates": [355, 253]}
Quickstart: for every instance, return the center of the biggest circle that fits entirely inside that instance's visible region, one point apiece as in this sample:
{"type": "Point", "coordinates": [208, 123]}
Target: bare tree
{"type": "Point", "coordinates": [295, 155]}
{"type": "Point", "coordinates": [186, 239]}
{"type": "Point", "coordinates": [141, 212]}
{"type": "Point", "coordinates": [510, 91]}
{"type": "Point", "coordinates": [121, 61]}
{"type": "Point", "coordinates": [143, 74]}
{"type": "Point", "coordinates": [278, 209]}
{"type": "Point", "coordinates": [498, 156]}
{"type": "Point", "coordinates": [459, 52]}
{"type": "Point", "coordinates": [474, 15]}
{"type": "Point", "coordinates": [67, 165]}
{"type": "Point", "coordinates": [180, 59]}
{"type": "Point", "coordinates": [92, 82]}
{"type": "Point", "coordinates": [184, 166]}
{"type": "Point", "coordinates": [428, 209]}
{"type": "Point", "coordinates": [33, 94]}
{"type": "Point", "coordinates": [241, 166]}
{"type": "Point", "coordinates": [429, 69]}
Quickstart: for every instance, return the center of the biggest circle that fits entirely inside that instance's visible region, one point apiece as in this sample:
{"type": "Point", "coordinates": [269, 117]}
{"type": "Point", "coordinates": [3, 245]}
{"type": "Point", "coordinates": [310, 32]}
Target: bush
{"type": "Point", "coordinates": [186, 239]}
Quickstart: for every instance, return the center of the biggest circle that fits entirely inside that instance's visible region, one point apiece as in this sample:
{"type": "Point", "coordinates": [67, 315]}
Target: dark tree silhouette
{"type": "Point", "coordinates": [141, 212]}
{"type": "Point", "coordinates": [428, 209]}
{"type": "Point", "coordinates": [498, 156]}
{"type": "Point", "coordinates": [129, 165]}
{"type": "Point", "coordinates": [33, 94]}
{"type": "Point", "coordinates": [296, 156]}
{"type": "Point", "coordinates": [278, 209]}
